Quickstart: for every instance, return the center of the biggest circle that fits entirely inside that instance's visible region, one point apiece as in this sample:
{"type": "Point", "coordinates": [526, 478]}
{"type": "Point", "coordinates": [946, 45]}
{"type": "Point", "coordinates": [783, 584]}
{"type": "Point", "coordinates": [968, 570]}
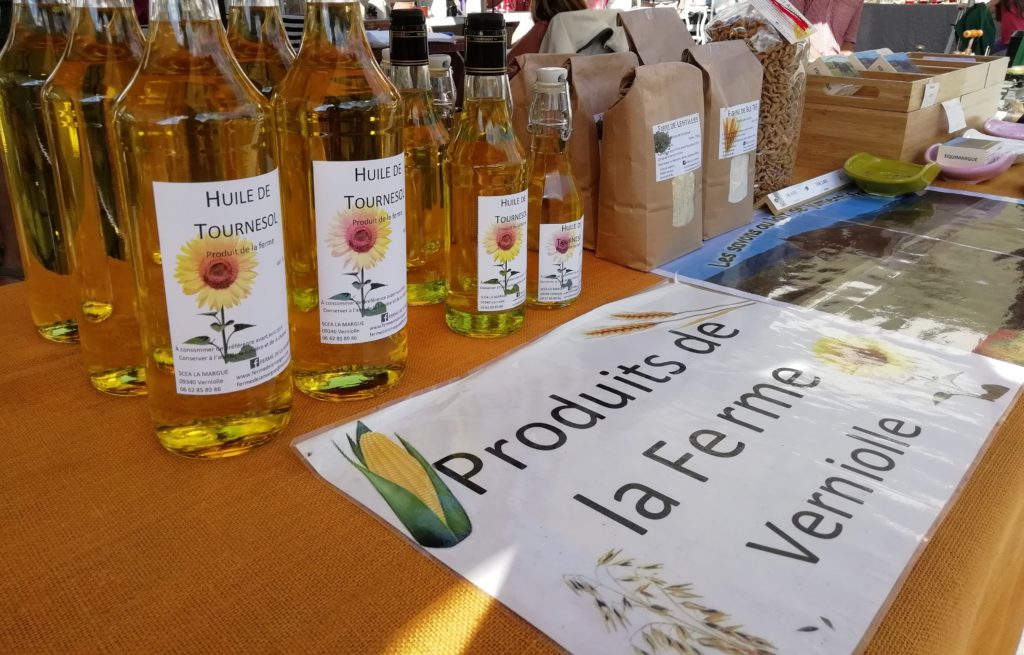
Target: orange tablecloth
{"type": "Point", "coordinates": [109, 544]}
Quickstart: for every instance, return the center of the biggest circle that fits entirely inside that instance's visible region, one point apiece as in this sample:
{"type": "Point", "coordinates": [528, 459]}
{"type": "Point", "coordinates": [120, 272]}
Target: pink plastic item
{"type": "Point", "coordinates": [971, 174]}
{"type": "Point", "coordinates": [1004, 129]}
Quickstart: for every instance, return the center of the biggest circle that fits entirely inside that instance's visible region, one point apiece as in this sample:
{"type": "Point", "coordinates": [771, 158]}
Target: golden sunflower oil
{"type": "Point", "coordinates": [260, 44]}
{"type": "Point", "coordinates": [487, 279]}
{"type": "Point", "coordinates": [200, 192]}
{"type": "Point", "coordinates": [342, 167]}
{"type": "Point", "coordinates": [36, 42]}
{"type": "Point", "coordinates": [426, 180]}
{"type": "Point", "coordinates": [105, 46]}
{"type": "Point", "coordinates": [555, 260]}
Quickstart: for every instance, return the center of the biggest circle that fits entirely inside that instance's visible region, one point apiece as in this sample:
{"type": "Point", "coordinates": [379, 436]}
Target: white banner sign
{"type": "Point", "coordinates": [682, 471]}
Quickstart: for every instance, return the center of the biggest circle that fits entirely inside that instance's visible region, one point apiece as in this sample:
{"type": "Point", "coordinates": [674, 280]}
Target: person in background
{"type": "Point", "coordinates": [1010, 14]}
{"type": "Point", "coordinates": [841, 16]}
{"type": "Point", "coordinates": [542, 11]}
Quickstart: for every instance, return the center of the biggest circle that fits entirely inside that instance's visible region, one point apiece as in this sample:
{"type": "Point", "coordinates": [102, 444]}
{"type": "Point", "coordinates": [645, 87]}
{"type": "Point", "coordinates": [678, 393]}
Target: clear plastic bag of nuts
{"type": "Point", "coordinates": [782, 93]}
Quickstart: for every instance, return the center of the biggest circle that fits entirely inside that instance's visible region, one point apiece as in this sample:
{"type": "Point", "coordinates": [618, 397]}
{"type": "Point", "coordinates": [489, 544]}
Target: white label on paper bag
{"type": "Point", "coordinates": [954, 115]}
{"type": "Point", "coordinates": [931, 94]}
{"type": "Point", "coordinates": [360, 235]}
{"type": "Point", "coordinates": [677, 146]}
{"type": "Point", "coordinates": [560, 261]}
{"type": "Point", "coordinates": [738, 131]}
{"type": "Point", "coordinates": [224, 282]}
{"type": "Point", "coordinates": [501, 252]}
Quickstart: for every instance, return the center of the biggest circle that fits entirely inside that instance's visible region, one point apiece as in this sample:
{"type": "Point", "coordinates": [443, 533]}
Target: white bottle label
{"type": "Point", "coordinates": [677, 147]}
{"type": "Point", "coordinates": [501, 252]}
{"type": "Point", "coordinates": [560, 261]}
{"type": "Point", "coordinates": [360, 236]}
{"type": "Point", "coordinates": [738, 133]}
{"type": "Point", "coordinates": [222, 245]}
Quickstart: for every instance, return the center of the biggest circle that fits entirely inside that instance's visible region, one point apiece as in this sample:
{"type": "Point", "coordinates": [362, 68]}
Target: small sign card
{"type": "Point", "coordinates": [793, 196]}
{"type": "Point", "coordinates": [682, 470]}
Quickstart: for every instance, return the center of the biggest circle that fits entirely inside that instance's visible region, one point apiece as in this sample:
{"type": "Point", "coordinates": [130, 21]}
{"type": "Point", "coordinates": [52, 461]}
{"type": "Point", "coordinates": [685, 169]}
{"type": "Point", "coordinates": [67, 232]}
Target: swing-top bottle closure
{"type": "Point", "coordinates": [549, 107]}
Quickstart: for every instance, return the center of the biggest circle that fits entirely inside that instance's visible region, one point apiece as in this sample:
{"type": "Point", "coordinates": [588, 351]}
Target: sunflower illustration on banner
{"type": "Point", "coordinates": [360, 238]}
{"type": "Point", "coordinates": [220, 273]}
{"type": "Point", "coordinates": [410, 486]}
{"type": "Point", "coordinates": [503, 243]}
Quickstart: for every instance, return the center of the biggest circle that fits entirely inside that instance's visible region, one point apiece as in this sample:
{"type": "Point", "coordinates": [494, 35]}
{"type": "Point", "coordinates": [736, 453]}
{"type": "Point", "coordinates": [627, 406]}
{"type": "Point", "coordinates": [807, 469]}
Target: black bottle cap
{"type": "Point", "coordinates": [408, 38]}
{"type": "Point", "coordinates": [485, 44]}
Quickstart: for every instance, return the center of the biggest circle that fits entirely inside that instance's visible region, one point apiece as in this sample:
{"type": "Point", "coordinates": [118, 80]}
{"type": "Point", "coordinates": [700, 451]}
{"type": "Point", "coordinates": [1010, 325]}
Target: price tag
{"type": "Point", "coordinates": [931, 94]}
{"type": "Point", "coordinates": [799, 194]}
{"type": "Point", "coordinates": [954, 115]}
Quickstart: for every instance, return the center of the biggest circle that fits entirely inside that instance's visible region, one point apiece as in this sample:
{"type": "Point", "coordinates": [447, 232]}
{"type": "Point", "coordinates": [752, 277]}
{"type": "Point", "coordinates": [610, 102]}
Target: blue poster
{"type": "Point", "coordinates": [943, 266]}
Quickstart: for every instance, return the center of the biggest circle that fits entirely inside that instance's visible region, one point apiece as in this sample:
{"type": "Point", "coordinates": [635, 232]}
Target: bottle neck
{"type": "Point", "coordinates": [548, 141]}
{"type": "Point", "coordinates": [335, 25]}
{"type": "Point", "coordinates": [410, 78]}
{"type": "Point", "coordinates": [481, 87]}
{"type": "Point", "coordinates": [179, 11]}
{"type": "Point", "coordinates": [106, 21]}
{"type": "Point", "coordinates": [550, 119]}
{"type": "Point", "coordinates": [46, 16]}
{"type": "Point", "coordinates": [258, 21]}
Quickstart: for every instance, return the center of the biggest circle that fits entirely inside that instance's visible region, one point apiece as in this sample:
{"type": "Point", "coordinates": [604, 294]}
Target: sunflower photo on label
{"type": "Point", "coordinates": [361, 248]}
{"type": "Point", "coordinates": [222, 249]}
{"type": "Point", "coordinates": [501, 256]}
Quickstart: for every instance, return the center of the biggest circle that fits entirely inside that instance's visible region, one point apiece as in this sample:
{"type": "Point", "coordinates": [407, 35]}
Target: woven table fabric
{"type": "Point", "coordinates": [111, 545]}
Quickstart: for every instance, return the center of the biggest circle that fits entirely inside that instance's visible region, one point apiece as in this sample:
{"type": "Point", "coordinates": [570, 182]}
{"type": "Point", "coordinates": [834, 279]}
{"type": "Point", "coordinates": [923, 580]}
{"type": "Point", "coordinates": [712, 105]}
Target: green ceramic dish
{"type": "Point", "coordinates": [887, 177]}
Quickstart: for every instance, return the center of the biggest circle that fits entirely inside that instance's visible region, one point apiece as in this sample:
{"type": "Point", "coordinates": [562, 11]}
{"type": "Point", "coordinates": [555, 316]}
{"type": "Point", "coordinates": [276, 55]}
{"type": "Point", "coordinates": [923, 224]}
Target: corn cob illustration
{"type": "Point", "coordinates": [410, 486]}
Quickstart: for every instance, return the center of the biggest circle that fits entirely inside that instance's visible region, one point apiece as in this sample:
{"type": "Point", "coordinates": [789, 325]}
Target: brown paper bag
{"type": "Point", "coordinates": [650, 200]}
{"type": "Point", "coordinates": [593, 88]}
{"type": "Point", "coordinates": [656, 34]}
{"type": "Point", "coordinates": [732, 93]}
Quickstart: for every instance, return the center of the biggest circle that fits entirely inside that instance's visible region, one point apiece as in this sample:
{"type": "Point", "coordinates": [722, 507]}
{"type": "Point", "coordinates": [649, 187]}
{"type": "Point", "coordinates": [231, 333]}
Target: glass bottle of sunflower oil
{"type": "Point", "coordinates": [555, 240]}
{"type": "Point", "coordinates": [426, 180]}
{"type": "Point", "coordinates": [260, 44]}
{"type": "Point", "coordinates": [343, 173]}
{"type": "Point", "coordinates": [104, 49]}
{"type": "Point", "coordinates": [198, 185]}
{"type": "Point", "coordinates": [487, 280]}
{"type": "Point", "coordinates": [34, 46]}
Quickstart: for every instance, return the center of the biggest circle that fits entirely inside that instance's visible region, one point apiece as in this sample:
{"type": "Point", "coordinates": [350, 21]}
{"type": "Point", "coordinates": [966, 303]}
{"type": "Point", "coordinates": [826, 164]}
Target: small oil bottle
{"type": "Point", "coordinates": [487, 283]}
{"type": "Point", "coordinates": [556, 213]}
{"type": "Point", "coordinates": [36, 42]}
{"type": "Point", "coordinates": [343, 167]}
{"type": "Point", "coordinates": [104, 50]}
{"type": "Point", "coordinates": [259, 42]}
{"type": "Point", "coordinates": [198, 186]}
{"type": "Point", "coordinates": [426, 181]}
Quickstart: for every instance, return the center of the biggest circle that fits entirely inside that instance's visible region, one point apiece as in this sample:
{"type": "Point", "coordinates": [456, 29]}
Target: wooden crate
{"type": "Point", "coordinates": [885, 117]}
{"type": "Point", "coordinates": [994, 67]}
{"type": "Point", "coordinates": [832, 132]}
{"type": "Point", "coordinates": [903, 92]}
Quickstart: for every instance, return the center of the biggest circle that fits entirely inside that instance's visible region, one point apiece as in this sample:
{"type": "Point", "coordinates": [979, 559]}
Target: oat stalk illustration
{"type": "Point", "coordinates": [661, 617]}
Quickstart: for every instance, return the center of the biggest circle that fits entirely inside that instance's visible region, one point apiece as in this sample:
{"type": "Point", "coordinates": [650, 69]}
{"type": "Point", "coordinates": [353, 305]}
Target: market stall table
{"type": "Point", "coordinates": [111, 544]}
